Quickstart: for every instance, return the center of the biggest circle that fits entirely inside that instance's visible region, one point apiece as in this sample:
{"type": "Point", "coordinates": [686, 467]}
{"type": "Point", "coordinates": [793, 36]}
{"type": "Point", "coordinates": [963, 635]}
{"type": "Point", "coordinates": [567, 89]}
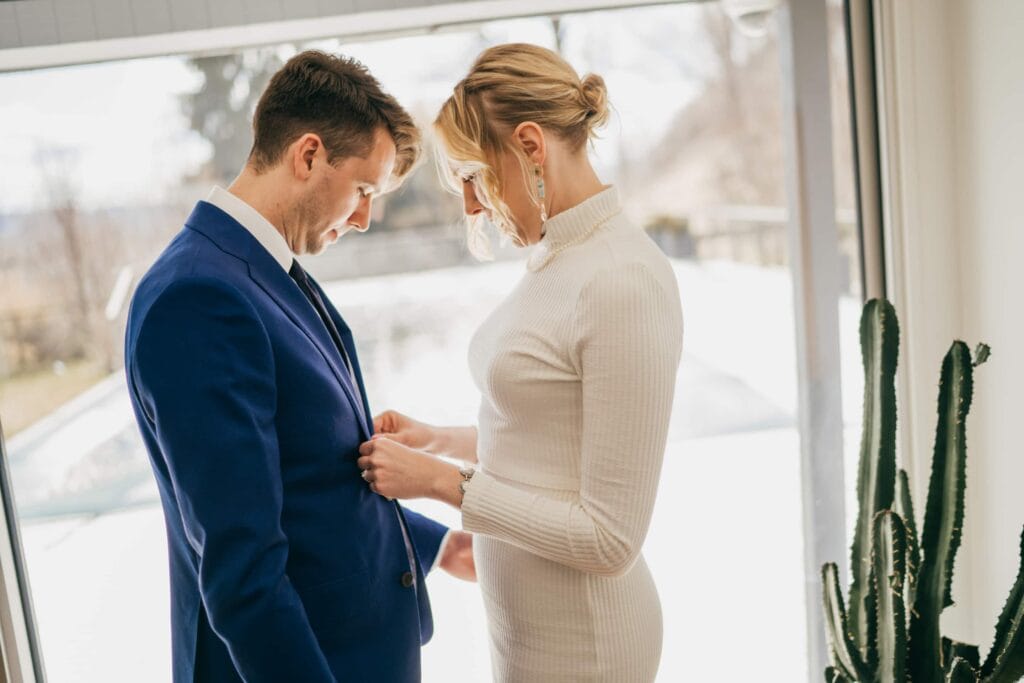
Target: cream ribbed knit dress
{"type": "Point", "coordinates": [577, 371]}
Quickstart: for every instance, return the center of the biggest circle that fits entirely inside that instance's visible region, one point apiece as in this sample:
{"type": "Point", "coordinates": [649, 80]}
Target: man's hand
{"type": "Point", "coordinates": [457, 556]}
{"type": "Point", "coordinates": [404, 430]}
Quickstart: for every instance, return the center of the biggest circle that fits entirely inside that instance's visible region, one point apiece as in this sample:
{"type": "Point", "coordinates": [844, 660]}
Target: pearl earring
{"type": "Point", "coordinates": [541, 194]}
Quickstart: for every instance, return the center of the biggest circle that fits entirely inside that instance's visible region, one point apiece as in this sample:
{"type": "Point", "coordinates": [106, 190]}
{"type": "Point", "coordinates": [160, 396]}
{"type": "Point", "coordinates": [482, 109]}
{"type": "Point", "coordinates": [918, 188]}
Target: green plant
{"type": "Point", "coordinates": [900, 582]}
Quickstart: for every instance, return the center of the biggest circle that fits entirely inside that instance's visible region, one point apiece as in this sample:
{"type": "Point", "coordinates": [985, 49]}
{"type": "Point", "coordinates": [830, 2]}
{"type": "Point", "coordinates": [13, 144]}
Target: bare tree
{"type": "Point", "coordinates": [221, 109]}
{"type": "Point", "coordinates": [57, 170]}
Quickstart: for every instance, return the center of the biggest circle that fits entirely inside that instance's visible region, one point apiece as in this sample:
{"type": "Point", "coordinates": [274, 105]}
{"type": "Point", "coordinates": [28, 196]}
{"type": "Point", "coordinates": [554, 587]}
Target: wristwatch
{"type": "Point", "coordinates": [467, 474]}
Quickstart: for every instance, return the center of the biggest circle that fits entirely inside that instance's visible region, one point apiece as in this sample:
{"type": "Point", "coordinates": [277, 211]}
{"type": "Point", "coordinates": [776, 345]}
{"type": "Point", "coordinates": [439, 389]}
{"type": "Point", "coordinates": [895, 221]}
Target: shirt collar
{"type": "Point", "coordinates": [253, 221]}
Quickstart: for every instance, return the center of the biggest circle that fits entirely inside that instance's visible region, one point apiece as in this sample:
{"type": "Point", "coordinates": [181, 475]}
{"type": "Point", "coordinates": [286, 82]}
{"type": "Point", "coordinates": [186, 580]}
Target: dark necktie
{"type": "Point", "coordinates": [302, 280]}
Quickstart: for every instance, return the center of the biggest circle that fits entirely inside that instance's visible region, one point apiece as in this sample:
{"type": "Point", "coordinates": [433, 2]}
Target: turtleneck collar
{"type": "Point", "coordinates": [575, 224]}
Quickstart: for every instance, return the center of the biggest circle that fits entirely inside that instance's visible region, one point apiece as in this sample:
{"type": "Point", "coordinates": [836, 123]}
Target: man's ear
{"type": "Point", "coordinates": [530, 138]}
{"type": "Point", "coordinates": [303, 151]}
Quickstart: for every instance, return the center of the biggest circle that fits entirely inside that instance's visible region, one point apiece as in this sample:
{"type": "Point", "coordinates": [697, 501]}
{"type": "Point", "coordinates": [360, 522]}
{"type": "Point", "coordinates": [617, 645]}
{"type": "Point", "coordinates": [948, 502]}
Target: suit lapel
{"type": "Point", "coordinates": [350, 348]}
{"type": "Point", "coordinates": [279, 286]}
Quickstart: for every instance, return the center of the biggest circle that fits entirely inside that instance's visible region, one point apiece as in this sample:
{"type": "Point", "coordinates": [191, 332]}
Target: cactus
{"type": "Point", "coordinates": [876, 479]}
{"type": "Point", "coordinates": [960, 671]}
{"type": "Point", "coordinates": [846, 659]}
{"type": "Point", "coordinates": [905, 509]}
{"type": "Point", "coordinates": [833, 676]}
{"type": "Point", "coordinates": [951, 649]}
{"type": "Point", "coordinates": [944, 513]}
{"type": "Point", "coordinates": [900, 581]}
{"type": "Point", "coordinates": [888, 570]}
{"type": "Point", "coordinates": [1005, 661]}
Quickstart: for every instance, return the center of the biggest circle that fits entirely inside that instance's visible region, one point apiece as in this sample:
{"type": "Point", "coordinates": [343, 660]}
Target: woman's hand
{"type": "Point", "coordinates": [394, 470]}
{"type": "Point", "coordinates": [404, 430]}
{"type": "Point", "coordinates": [455, 442]}
{"type": "Point", "coordinates": [457, 558]}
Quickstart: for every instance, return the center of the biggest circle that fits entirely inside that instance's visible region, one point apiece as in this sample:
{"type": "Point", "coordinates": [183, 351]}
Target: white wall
{"type": "Point", "coordinates": [989, 89]}
{"type": "Point", "coordinates": [955, 120]}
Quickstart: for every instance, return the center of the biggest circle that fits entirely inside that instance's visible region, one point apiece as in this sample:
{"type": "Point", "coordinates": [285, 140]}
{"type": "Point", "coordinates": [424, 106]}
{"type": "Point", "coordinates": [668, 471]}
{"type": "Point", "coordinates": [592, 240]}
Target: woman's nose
{"type": "Point", "coordinates": [470, 203]}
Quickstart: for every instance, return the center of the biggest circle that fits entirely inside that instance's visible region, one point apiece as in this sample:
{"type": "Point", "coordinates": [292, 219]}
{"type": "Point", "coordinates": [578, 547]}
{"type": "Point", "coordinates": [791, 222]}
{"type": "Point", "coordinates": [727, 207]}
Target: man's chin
{"type": "Point", "coordinates": [327, 239]}
{"type": "Point", "coordinates": [335, 234]}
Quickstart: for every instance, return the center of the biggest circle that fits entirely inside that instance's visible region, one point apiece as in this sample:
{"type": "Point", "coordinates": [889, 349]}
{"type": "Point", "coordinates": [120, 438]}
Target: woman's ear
{"type": "Point", "coordinates": [530, 138]}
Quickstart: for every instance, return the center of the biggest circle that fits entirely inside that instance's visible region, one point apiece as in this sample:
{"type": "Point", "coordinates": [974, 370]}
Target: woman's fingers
{"type": "Point", "coordinates": [397, 437]}
{"type": "Point", "coordinates": [395, 470]}
{"type": "Point", "coordinates": [370, 475]}
{"type": "Point", "coordinates": [377, 486]}
{"type": "Point", "coordinates": [388, 422]}
{"type": "Point", "coordinates": [400, 428]}
{"type": "Point", "coordinates": [382, 421]}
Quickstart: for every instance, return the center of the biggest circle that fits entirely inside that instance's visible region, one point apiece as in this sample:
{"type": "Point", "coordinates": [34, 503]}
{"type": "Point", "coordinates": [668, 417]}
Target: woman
{"type": "Point", "coordinates": [577, 372]}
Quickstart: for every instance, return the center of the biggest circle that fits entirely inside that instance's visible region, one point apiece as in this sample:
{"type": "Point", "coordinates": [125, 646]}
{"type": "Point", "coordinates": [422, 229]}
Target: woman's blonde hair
{"type": "Point", "coordinates": [510, 84]}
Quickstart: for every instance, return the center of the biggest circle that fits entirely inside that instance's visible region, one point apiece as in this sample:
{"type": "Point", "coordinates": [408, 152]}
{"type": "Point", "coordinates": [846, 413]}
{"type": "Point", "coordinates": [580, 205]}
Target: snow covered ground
{"type": "Point", "coordinates": [724, 547]}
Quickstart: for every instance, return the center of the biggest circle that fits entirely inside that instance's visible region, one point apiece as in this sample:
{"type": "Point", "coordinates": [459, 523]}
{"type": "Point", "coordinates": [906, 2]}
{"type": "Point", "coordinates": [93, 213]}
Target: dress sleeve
{"type": "Point", "coordinates": [627, 349]}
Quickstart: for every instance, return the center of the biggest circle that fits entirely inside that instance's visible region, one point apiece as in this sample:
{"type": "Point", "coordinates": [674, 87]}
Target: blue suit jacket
{"type": "Point", "coordinates": [284, 565]}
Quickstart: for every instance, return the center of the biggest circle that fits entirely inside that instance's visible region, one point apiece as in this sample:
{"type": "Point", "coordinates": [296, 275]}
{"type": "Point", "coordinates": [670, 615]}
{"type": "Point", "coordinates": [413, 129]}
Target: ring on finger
{"type": "Point", "coordinates": [366, 475]}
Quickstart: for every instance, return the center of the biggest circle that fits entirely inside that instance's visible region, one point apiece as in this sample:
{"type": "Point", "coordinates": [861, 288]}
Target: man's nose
{"type": "Point", "coordinates": [360, 219]}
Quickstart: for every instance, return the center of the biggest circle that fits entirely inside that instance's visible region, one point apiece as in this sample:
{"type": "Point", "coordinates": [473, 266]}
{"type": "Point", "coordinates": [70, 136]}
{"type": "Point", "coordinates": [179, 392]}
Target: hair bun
{"type": "Point", "coordinates": [595, 94]}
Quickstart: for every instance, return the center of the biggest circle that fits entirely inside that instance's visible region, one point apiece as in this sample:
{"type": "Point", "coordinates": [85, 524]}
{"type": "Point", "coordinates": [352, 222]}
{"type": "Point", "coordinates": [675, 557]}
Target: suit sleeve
{"type": "Point", "coordinates": [204, 370]}
{"type": "Point", "coordinates": [427, 537]}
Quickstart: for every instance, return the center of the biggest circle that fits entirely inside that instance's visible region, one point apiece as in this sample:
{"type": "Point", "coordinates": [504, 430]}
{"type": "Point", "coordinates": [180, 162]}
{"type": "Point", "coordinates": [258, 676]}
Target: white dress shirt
{"type": "Point", "coordinates": [253, 221]}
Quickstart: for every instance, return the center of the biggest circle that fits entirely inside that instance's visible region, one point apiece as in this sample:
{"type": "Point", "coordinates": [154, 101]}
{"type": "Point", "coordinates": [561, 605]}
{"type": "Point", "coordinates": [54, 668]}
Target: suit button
{"type": "Point", "coordinates": [408, 580]}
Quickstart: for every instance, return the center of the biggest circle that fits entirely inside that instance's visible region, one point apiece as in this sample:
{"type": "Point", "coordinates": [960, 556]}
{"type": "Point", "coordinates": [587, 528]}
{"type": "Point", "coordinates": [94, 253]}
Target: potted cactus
{"type": "Point", "coordinates": [887, 630]}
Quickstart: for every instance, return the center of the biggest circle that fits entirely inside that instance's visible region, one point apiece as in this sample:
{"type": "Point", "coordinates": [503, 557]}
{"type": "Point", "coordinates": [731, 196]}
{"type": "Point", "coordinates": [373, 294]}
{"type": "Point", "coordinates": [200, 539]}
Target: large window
{"type": "Point", "coordinates": [100, 165]}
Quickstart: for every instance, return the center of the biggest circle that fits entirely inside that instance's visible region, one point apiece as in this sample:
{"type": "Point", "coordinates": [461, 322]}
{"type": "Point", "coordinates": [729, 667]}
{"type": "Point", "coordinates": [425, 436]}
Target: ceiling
{"type": "Point", "coordinates": [43, 33]}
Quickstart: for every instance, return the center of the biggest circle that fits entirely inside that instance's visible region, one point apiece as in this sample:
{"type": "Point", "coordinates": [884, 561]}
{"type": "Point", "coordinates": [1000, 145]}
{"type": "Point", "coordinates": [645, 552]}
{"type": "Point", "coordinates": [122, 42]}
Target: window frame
{"type": "Point", "coordinates": [19, 637]}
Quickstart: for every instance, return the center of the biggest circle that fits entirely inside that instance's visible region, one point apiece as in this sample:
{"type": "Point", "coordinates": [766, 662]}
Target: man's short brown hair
{"type": "Point", "coordinates": [336, 98]}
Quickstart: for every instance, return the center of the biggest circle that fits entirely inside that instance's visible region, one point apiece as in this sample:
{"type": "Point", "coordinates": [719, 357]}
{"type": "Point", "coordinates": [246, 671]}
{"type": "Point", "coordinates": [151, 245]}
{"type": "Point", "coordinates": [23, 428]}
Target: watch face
{"type": "Point", "coordinates": [467, 474]}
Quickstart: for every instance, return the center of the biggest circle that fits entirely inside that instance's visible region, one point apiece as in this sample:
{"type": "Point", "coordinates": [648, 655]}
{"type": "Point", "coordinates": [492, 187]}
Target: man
{"type": "Point", "coordinates": [247, 389]}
